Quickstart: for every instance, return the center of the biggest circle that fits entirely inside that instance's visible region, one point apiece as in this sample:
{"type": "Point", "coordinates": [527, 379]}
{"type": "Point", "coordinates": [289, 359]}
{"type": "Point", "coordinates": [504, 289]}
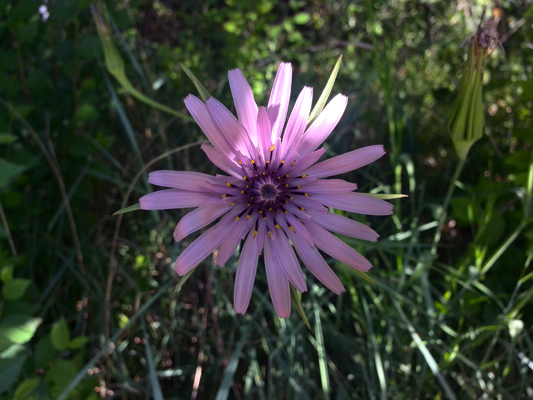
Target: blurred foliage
{"type": "Point", "coordinates": [88, 307]}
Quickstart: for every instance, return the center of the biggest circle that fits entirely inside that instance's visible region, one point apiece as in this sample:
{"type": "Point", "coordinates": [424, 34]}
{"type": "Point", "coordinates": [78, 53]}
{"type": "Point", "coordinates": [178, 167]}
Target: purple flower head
{"type": "Point", "coordinates": [273, 194]}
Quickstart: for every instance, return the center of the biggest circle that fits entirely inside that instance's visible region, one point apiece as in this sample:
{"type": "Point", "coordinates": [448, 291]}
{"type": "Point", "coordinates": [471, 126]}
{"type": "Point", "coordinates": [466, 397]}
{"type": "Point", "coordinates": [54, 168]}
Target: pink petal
{"type": "Point", "coordinates": [336, 248]}
{"type": "Point", "coordinates": [308, 203]}
{"type": "Point", "coordinates": [173, 198]}
{"type": "Point", "coordinates": [284, 253]}
{"type": "Point", "coordinates": [264, 131]}
{"type": "Point", "coordinates": [232, 240]}
{"type": "Point", "coordinates": [278, 103]}
{"type": "Point", "coordinates": [323, 125]}
{"type": "Point", "coordinates": [355, 202]}
{"type": "Point", "coordinates": [201, 248]}
{"type": "Point", "coordinates": [230, 126]}
{"type": "Point", "coordinates": [246, 269]}
{"type": "Point", "coordinates": [305, 162]}
{"type": "Point", "coordinates": [203, 118]}
{"type": "Point", "coordinates": [345, 226]}
{"type": "Point", "coordinates": [346, 162]}
{"type": "Point", "coordinates": [328, 186]}
{"type": "Point", "coordinates": [186, 180]}
{"type": "Point", "coordinates": [278, 284]}
{"type": "Point", "coordinates": [199, 218]}
{"type": "Point", "coordinates": [317, 265]}
{"type": "Point", "coordinates": [297, 121]}
{"type": "Point", "coordinates": [244, 101]}
{"type": "Point", "coordinates": [222, 161]}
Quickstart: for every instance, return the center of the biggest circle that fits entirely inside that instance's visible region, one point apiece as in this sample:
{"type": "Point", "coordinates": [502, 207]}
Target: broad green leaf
{"type": "Point", "coordinates": [9, 172]}
{"type": "Point", "coordinates": [15, 288]}
{"type": "Point", "coordinates": [44, 352]}
{"type": "Point", "coordinates": [10, 369]}
{"type": "Point", "coordinates": [128, 209]}
{"type": "Point", "coordinates": [78, 342]}
{"type": "Point", "coordinates": [59, 376]}
{"type": "Point", "coordinates": [204, 94]}
{"type": "Point", "coordinates": [302, 18]}
{"type": "Point", "coordinates": [7, 138]}
{"type": "Point", "coordinates": [18, 328]}
{"type": "Point", "coordinates": [60, 335]}
{"type": "Point", "coordinates": [6, 273]}
{"type": "Point", "coordinates": [386, 196]}
{"type": "Point", "coordinates": [325, 93]}
{"type": "Point", "coordinates": [26, 388]}
{"type": "Point", "coordinates": [296, 299]}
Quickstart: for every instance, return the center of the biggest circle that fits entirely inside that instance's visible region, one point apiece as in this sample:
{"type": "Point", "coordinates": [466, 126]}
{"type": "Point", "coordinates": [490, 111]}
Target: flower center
{"type": "Point", "coordinates": [268, 191]}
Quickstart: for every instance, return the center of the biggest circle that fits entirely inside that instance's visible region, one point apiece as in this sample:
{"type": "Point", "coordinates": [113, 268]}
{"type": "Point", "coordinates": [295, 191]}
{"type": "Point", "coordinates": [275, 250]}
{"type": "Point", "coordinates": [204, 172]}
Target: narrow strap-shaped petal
{"type": "Point", "coordinates": [231, 242]}
{"type": "Point", "coordinates": [203, 118]}
{"type": "Point", "coordinates": [246, 269]}
{"type": "Point", "coordinates": [297, 121]}
{"type": "Point", "coordinates": [278, 103]}
{"type": "Point", "coordinates": [261, 234]}
{"type": "Point", "coordinates": [355, 202]}
{"type": "Point", "coordinates": [305, 162]}
{"type": "Point", "coordinates": [346, 162]}
{"type": "Point", "coordinates": [185, 180]}
{"type": "Point", "coordinates": [173, 198]}
{"type": "Point", "coordinates": [278, 283]}
{"type": "Point", "coordinates": [222, 161]}
{"type": "Point", "coordinates": [345, 226]}
{"type": "Point", "coordinates": [308, 203]}
{"type": "Point", "coordinates": [328, 186]}
{"type": "Point", "coordinates": [336, 248]}
{"type": "Point", "coordinates": [317, 265]}
{"type": "Point", "coordinates": [323, 125]}
{"type": "Point", "coordinates": [230, 126]}
{"type": "Point", "coordinates": [244, 102]}
{"type": "Point", "coordinates": [288, 261]}
{"type": "Point", "coordinates": [206, 243]}
{"type": "Point", "coordinates": [199, 218]}
{"type": "Point", "coordinates": [264, 130]}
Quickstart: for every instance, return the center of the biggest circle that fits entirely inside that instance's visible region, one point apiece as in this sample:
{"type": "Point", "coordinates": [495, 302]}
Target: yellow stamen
{"type": "Point", "coordinates": [303, 176]}
{"type": "Point", "coordinates": [224, 195]}
{"type": "Point", "coordinates": [277, 226]}
{"type": "Point", "coordinates": [229, 184]}
{"type": "Point", "coordinates": [248, 216]}
{"type": "Point", "coordinates": [253, 162]}
{"type": "Point", "coordinates": [272, 148]}
{"type": "Point", "coordinates": [236, 218]}
{"type": "Point", "coordinates": [269, 234]}
{"type": "Point", "coordinates": [291, 228]}
{"type": "Point", "coordinates": [255, 234]}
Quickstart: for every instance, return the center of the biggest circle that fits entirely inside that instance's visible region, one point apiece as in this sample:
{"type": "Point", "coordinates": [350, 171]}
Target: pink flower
{"type": "Point", "coordinates": [273, 195]}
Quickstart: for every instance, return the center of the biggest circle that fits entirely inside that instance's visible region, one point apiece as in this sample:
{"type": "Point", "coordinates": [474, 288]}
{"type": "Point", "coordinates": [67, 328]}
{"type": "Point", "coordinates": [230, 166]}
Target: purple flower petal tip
{"type": "Point", "coordinates": [273, 196]}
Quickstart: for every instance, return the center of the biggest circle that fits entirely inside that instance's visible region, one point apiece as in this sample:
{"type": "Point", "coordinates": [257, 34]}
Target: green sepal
{"type": "Point", "coordinates": [204, 94]}
{"type": "Point", "coordinates": [296, 299]}
{"type": "Point", "coordinates": [184, 279]}
{"type": "Point", "coordinates": [319, 106]}
{"type": "Point", "coordinates": [363, 275]}
{"type": "Point", "coordinates": [134, 207]}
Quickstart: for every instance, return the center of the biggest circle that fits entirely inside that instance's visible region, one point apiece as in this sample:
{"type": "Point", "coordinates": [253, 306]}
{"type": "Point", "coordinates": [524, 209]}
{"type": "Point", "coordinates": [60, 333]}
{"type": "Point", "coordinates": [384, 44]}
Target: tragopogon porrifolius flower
{"type": "Point", "coordinates": [274, 195]}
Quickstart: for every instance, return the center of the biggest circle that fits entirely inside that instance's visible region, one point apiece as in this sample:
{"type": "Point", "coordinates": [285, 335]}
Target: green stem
{"type": "Point", "coordinates": [444, 210]}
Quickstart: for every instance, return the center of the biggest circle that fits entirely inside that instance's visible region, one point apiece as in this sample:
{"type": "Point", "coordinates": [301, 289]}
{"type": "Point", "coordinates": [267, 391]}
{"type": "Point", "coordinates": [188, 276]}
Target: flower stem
{"type": "Point", "coordinates": [444, 211]}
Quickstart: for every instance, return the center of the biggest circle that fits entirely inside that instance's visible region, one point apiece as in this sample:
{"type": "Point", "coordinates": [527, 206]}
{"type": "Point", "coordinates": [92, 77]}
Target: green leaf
{"type": "Point", "coordinates": [386, 196]}
{"type": "Point", "coordinates": [6, 273]}
{"type": "Point", "coordinates": [15, 288]}
{"type": "Point", "coordinates": [44, 352]}
{"type": "Point", "coordinates": [9, 172]}
{"type": "Point", "coordinates": [86, 113]}
{"type": "Point", "coordinates": [302, 18]}
{"type": "Point", "coordinates": [7, 138]}
{"type": "Point", "coordinates": [78, 342]}
{"type": "Point", "coordinates": [26, 388]}
{"type": "Point", "coordinates": [128, 209]}
{"type": "Point", "coordinates": [296, 299]}
{"type": "Point", "coordinates": [18, 328]}
{"type": "Point", "coordinates": [59, 375]}
{"type": "Point", "coordinates": [60, 335]}
{"type": "Point", "coordinates": [10, 369]}
{"type": "Point", "coordinates": [325, 93]}
{"type": "Point", "coordinates": [204, 94]}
